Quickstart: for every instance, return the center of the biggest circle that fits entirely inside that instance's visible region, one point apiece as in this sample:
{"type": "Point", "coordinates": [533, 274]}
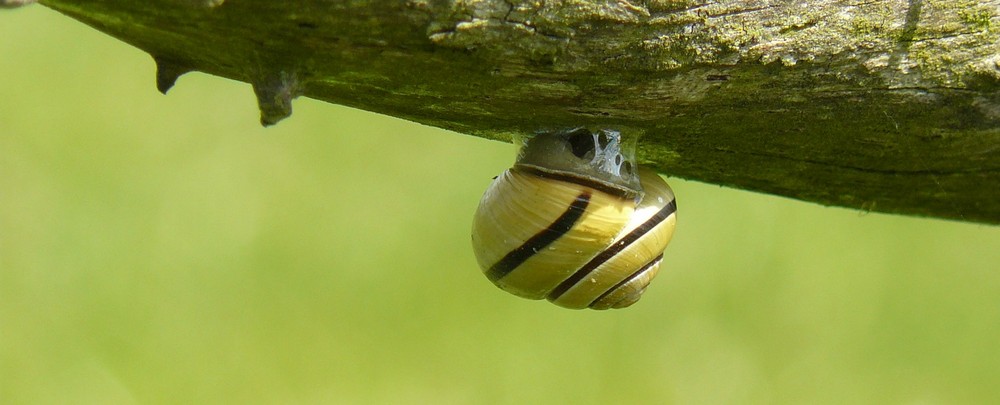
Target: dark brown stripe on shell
{"type": "Point", "coordinates": [598, 185]}
{"type": "Point", "coordinates": [626, 281]}
{"type": "Point", "coordinates": [614, 249]}
{"type": "Point", "coordinates": [540, 240]}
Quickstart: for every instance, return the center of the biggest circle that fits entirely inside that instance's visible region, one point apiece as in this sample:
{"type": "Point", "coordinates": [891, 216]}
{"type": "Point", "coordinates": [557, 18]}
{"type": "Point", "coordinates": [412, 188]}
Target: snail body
{"type": "Point", "coordinates": [574, 222]}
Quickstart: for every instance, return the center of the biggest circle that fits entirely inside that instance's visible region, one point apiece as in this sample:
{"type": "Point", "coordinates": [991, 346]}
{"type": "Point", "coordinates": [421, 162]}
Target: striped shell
{"type": "Point", "coordinates": [575, 240]}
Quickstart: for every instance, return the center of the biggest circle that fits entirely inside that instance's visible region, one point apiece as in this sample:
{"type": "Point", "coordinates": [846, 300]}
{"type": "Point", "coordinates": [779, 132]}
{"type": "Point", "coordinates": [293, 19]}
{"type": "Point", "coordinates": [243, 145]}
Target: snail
{"type": "Point", "coordinates": [574, 221]}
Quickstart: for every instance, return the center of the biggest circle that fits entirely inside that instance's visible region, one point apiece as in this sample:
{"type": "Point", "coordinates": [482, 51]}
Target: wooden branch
{"type": "Point", "coordinates": [882, 105]}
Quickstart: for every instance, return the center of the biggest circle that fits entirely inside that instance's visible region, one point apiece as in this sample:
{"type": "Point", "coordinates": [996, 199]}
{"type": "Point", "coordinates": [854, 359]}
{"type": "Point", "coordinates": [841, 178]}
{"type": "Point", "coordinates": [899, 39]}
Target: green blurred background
{"type": "Point", "coordinates": [168, 249]}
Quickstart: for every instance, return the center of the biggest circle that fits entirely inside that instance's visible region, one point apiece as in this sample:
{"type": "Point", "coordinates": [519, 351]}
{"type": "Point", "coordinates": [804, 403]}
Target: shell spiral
{"type": "Point", "coordinates": [574, 222]}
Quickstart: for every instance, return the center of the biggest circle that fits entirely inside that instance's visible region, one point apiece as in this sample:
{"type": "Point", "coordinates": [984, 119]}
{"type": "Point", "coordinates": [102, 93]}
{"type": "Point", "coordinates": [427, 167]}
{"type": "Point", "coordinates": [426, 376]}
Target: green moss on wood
{"type": "Point", "coordinates": [880, 105]}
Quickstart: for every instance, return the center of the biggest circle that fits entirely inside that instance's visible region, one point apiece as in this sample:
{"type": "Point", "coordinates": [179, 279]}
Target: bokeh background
{"type": "Point", "coordinates": [167, 249]}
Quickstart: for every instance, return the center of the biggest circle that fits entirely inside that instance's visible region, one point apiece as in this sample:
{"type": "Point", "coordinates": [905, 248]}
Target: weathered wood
{"type": "Point", "coordinates": [882, 105]}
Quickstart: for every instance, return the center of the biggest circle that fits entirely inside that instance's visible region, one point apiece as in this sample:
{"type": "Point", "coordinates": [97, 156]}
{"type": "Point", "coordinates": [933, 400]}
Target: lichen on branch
{"type": "Point", "coordinates": [883, 105]}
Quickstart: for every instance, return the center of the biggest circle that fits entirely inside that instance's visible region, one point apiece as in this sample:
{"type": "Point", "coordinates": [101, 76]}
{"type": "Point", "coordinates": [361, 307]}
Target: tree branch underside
{"type": "Point", "coordinates": [884, 105]}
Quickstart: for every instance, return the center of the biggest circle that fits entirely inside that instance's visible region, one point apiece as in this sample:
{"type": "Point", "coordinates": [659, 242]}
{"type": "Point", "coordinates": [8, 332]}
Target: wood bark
{"type": "Point", "coordinates": [880, 105]}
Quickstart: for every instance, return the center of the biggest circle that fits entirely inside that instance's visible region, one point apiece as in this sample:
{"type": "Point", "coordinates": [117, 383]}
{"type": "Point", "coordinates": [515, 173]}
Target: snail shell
{"type": "Point", "coordinates": [574, 222]}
